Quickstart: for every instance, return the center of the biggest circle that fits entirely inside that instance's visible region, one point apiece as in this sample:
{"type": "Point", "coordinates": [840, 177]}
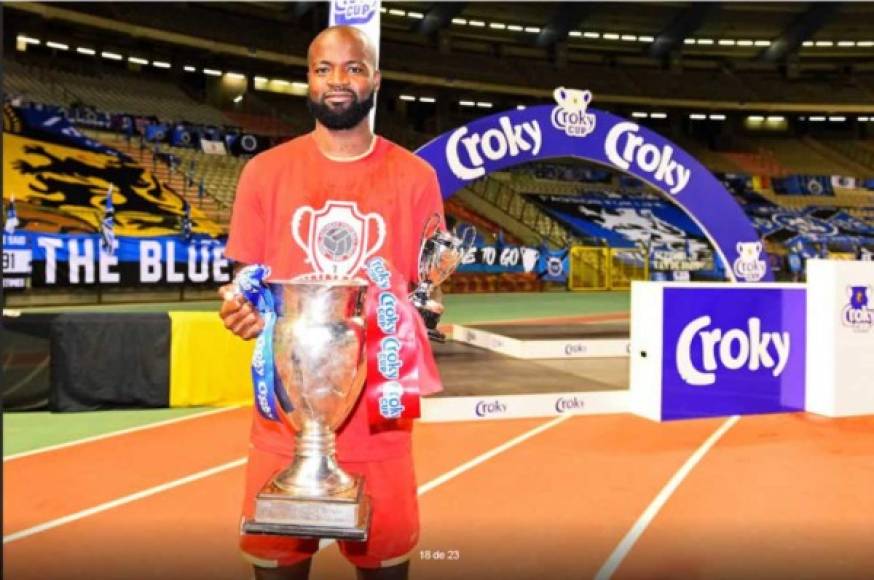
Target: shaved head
{"type": "Point", "coordinates": [345, 35]}
{"type": "Point", "coordinates": [342, 77]}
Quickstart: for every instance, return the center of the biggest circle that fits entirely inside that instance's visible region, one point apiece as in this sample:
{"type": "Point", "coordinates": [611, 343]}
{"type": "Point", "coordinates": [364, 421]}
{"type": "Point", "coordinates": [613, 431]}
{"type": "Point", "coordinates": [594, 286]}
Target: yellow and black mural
{"type": "Point", "coordinates": [78, 212]}
{"type": "Point", "coordinates": [59, 179]}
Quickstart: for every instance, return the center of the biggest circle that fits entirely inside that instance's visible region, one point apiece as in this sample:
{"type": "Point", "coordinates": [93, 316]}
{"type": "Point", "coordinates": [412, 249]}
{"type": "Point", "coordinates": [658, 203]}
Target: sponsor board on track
{"type": "Point", "coordinates": [840, 330]}
{"type": "Point", "coordinates": [709, 350]}
{"type": "Point", "coordinates": [439, 409]}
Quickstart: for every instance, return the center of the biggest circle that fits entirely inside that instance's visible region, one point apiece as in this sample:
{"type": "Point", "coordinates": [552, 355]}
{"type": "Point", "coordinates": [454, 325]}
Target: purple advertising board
{"type": "Point", "coordinates": [732, 351]}
{"type": "Point", "coordinates": [570, 128]}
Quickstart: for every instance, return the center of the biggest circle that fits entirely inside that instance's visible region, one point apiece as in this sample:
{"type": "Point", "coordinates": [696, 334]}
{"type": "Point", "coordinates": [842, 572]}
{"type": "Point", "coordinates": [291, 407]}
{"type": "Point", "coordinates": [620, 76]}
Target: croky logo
{"type": "Point", "coordinates": [857, 314]}
{"type": "Point", "coordinates": [570, 115]}
{"type": "Point", "coordinates": [492, 145]}
{"type": "Point", "coordinates": [568, 404]}
{"type": "Point", "coordinates": [338, 239]}
{"type": "Point", "coordinates": [727, 350]}
{"type": "Point", "coordinates": [486, 408]}
{"type": "Point", "coordinates": [390, 403]}
{"type": "Point", "coordinates": [627, 149]}
{"type": "Point", "coordinates": [351, 12]}
{"type": "Point", "coordinates": [748, 266]}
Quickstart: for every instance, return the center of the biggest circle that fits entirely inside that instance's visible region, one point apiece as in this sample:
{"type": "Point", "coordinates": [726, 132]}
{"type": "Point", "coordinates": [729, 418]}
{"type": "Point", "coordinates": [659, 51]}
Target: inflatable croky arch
{"type": "Point", "coordinates": [570, 128]}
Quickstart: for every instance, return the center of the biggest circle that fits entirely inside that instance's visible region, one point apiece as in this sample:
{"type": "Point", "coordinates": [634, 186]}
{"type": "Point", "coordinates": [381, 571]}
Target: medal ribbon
{"type": "Point", "coordinates": [392, 350]}
{"type": "Point", "coordinates": [250, 282]}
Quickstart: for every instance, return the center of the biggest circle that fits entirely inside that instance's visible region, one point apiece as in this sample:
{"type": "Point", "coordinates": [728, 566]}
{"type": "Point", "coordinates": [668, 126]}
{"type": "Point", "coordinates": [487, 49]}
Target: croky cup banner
{"type": "Point", "coordinates": [732, 350]}
{"type": "Point", "coordinates": [392, 346]}
{"type": "Point", "coordinates": [569, 128]}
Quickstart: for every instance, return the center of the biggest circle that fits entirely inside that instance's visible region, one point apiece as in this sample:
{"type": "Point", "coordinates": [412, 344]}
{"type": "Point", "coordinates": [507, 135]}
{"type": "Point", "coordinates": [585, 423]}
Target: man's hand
{"type": "Point", "coordinates": [431, 313]}
{"type": "Point", "coordinates": [238, 315]}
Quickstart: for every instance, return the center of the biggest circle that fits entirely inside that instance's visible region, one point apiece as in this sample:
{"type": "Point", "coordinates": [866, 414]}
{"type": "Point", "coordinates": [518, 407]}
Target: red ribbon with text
{"type": "Point", "coordinates": [393, 350]}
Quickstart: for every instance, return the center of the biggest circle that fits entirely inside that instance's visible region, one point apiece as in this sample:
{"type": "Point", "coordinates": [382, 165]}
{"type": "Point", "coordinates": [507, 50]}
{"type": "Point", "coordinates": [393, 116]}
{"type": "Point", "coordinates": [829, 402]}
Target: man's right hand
{"type": "Point", "coordinates": [238, 314]}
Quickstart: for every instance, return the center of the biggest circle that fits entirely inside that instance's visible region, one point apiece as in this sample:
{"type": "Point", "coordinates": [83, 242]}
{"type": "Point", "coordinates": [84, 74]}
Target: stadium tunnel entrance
{"type": "Point", "coordinates": [571, 129]}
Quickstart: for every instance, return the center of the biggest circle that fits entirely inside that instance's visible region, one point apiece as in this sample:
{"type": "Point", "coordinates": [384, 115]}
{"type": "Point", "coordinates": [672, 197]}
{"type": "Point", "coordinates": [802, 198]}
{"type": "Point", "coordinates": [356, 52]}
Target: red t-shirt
{"type": "Point", "coordinates": [298, 211]}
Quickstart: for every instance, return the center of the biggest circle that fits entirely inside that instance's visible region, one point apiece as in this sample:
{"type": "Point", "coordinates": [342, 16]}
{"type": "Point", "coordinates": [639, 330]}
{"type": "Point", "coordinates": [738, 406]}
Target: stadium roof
{"type": "Point", "coordinates": [450, 44]}
{"type": "Point", "coordinates": [764, 31]}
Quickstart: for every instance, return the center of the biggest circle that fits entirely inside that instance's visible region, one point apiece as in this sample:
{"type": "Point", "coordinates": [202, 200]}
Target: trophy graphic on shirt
{"type": "Point", "coordinates": [439, 255]}
{"type": "Point", "coordinates": [339, 238]}
{"type": "Point", "coordinates": [318, 352]}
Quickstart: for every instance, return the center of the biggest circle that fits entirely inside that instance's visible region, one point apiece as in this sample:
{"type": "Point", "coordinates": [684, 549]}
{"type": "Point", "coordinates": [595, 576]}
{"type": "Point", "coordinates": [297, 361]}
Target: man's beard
{"type": "Point", "coordinates": [346, 118]}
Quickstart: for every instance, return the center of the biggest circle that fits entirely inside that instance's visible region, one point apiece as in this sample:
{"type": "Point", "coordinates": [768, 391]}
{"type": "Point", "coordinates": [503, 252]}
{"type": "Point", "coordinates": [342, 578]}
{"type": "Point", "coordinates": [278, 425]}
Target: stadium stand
{"type": "Point", "coordinates": [804, 156]}
{"type": "Point", "coordinates": [770, 87]}
{"type": "Point", "coordinates": [489, 231]}
{"type": "Point", "coordinates": [836, 160]}
{"type": "Point", "coordinates": [260, 124]}
{"type": "Point", "coordinates": [691, 84]}
{"type": "Point", "coordinates": [849, 199]}
{"type": "Point", "coordinates": [110, 93]}
{"type": "Point", "coordinates": [33, 83]}
{"type": "Point", "coordinates": [496, 71]}
{"type": "Point", "coordinates": [761, 162]}
{"type": "Point", "coordinates": [503, 205]}
{"type": "Point", "coordinates": [719, 161]}
{"type": "Point", "coordinates": [219, 172]}
{"type": "Point", "coordinates": [858, 152]}
{"type": "Point", "coordinates": [264, 113]}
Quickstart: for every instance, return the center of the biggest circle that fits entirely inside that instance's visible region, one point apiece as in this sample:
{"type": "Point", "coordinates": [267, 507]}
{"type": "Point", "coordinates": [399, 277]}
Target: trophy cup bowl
{"type": "Point", "coordinates": [318, 346]}
{"type": "Point", "coordinates": [439, 256]}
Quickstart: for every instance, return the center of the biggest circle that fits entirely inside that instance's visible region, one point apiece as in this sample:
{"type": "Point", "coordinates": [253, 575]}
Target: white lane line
{"type": "Point", "coordinates": [453, 473]}
{"type": "Point", "coordinates": [116, 433]}
{"type": "Point", "coordinates": [615, 559]}
{"type": "Point", "coordinates": [423, 489]}
{"type": "Point", "coordinates": [122, 501]}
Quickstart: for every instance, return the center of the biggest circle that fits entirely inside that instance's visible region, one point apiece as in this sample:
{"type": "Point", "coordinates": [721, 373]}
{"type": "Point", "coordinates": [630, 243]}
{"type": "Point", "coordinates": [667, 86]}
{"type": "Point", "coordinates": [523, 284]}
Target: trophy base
{"type": "Point", "coordinates": [344, 516]}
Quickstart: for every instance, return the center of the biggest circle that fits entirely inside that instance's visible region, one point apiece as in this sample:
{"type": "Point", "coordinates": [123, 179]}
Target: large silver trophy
{"type": "Point", "coordinates": [318, 350]}
{"type": "Point", "coordinates": [439, 255]}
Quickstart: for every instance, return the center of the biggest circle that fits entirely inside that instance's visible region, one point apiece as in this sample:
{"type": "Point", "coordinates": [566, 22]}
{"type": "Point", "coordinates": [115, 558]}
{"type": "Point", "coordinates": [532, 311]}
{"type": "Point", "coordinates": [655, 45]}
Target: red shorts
{"type": "Point", "coordinates": [394, 526]}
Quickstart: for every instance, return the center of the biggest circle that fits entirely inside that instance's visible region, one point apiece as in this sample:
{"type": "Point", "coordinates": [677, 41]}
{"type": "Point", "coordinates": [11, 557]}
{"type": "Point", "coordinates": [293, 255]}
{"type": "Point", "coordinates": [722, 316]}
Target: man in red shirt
{"type": "Point", "coordinates": [293, 202]}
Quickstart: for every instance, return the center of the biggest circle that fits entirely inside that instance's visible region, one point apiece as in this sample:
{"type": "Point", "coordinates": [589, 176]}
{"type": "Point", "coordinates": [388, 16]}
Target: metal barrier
{"type": "Point", "coordinates": [594, 268]}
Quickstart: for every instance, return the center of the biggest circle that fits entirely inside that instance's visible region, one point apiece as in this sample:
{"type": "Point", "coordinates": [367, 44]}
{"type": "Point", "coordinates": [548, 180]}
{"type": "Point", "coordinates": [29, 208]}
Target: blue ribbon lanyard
{"type": "Point", "coordinates": [250, 282]}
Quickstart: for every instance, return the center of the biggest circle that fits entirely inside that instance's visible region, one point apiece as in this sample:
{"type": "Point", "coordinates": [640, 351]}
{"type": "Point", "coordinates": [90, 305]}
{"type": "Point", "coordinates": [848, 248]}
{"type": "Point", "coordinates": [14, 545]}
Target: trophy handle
{"type": "Point", "coordinates": [295, 230]}
{"type": "Point", "coordinates": [468, 237]}
{"type": "Point", "coordinates": [380, 234]}
{"type": "Point", "coordinates": [432, 226]}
